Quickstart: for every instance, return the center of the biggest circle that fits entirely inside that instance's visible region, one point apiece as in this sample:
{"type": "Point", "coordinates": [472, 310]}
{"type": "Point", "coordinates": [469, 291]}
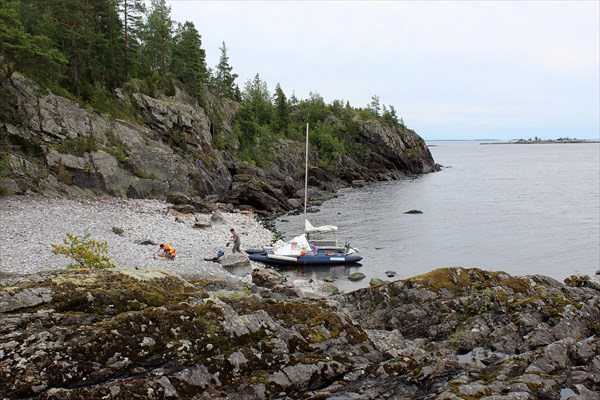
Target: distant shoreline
{"type": "Point", "coordinates": [543, 142]}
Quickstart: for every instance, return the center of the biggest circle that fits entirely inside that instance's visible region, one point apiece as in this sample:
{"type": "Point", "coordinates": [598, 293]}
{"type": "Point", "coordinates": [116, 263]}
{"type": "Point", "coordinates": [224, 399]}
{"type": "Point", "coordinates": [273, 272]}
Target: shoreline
{"type": "Point", "coordinates": [31, 224]}
{"type": "Point", "coordinates": [545, 142]}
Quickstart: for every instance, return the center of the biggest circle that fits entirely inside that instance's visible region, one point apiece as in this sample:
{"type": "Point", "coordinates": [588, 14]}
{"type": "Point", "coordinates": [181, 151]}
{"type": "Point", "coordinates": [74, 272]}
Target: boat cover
{"type": "Point", "coordinates": [308, 228]}
{"type": "Point", "coordinates": [295, 247]}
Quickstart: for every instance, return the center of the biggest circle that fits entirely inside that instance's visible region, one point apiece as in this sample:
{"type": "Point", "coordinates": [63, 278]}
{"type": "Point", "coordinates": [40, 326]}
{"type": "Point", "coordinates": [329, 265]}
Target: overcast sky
{"type": "Point", "coordinates": [451, 69]}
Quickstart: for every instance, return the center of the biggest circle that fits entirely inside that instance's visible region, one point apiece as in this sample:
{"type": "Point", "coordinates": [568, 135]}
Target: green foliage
{"type": "Point", "coordinates": [4, 171]}
{"type": "Point", "coordinates": [78, 146]}
{"type": "Point", "coordinates": [389, 116]}
{"type": "Point", "coordinates": [365, 114]}
{"type": "Point", "coordinates": [312, 110]}
{"type": "Point", "coordinates": [257, 101]}
{"type": "Point", "coordinates": [117, 152]}
{"type": "Point", "coordinates": [83, 50]}
{"type": "Point", "coordinates": [179, 139]}
{"type": "Point", "coordinates": [32, 54]}
{"type": "Point", "coordinates": [223, 80]}
{"type": "Point", "coordinates": [131, 13]}
{"type": "Point", "coordinates": [329, 146]}
{"type": "Point", "coordinates": [101, 100]}
{"type": "Point", "coordinates": [169, 86]}
{"type": "Point", "coordinates": [148, 85]}
{"type": "Point", "coordinates": [281, 115]}
{"type": "Point", "coordinates": [86, 252]}
{"type": "Point", "coordinates": [8, 108]}
{"type": "Point", "coordinates": [157, 36]}
{"type": "Point", "coordinates": [189, 60]}
{"type": "Point", "coordinates": [4, 164]}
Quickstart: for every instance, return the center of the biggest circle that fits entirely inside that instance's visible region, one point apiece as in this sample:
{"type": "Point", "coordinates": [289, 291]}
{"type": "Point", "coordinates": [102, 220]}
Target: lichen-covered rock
{"type": "Point", "coordinates": [499, 335]}
{"type": "Point", "coordinates": [454, 333]}
{"type": "Point", "coordinates": [148, 334]}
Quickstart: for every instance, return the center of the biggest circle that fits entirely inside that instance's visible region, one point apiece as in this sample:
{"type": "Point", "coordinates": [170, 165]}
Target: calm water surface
{"type": "Point", "coordinates": [523, 209]}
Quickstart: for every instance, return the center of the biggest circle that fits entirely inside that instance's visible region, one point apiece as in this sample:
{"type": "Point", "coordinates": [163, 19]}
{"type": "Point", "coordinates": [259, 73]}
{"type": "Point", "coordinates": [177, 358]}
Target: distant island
{"type": "Point", "coordinates": [537, 140]}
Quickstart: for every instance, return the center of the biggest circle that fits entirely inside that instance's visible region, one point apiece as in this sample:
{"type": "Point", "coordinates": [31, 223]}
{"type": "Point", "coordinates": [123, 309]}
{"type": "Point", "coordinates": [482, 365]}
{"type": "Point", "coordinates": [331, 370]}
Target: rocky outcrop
{"type": "Point", "coordinates": [80, 153]}
{"type": "Point", "coordinates": [452, 334]}
{"type": "Point", "coordinates": [55, 147]}
{"type": "Point", "coordinates": [148, 334]}
{"type": "Point", "coordinates": [467, 333]}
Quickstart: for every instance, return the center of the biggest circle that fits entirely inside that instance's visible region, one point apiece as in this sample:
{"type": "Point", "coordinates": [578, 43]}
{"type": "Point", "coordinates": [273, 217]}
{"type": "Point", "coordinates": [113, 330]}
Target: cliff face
{"type": "Point", "coordinates": [55, 147]}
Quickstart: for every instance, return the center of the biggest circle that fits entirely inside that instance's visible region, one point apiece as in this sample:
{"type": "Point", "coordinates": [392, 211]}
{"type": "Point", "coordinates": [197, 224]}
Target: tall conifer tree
{"type": "Point", "coordinates": [189, 59]}
{"type": "Point", "coordinates": [132, 13]}
{"type": "Point", "coordinates": [224, 80]}
{"type": "Point", "coordinates": [158, 37]}
{"type": "Point", "coordinates": [281, 118]}
{"type": "Point", "coordinates": [22, 51]}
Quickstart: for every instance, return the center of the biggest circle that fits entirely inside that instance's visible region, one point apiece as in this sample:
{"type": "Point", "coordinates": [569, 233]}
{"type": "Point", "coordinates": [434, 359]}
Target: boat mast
{"type": "Point", "coordinates": [305, 177]}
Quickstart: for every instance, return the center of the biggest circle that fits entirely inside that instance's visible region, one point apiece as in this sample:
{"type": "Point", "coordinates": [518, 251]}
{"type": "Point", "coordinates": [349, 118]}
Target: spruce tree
{"type": "Point", "coordinates": [256, 98]}
{"type": "Point", "coordinates": [70, 26]}
{"type": "Point", "coordinates": [224, 80]}
{"type": "Point", "coordinates": [281, 118]}
{"type": "Point", "coordinates": [189, 59]}
{"type": "Point", "coordinates": [157, 37]}
{"type": "Point", "coordinates": [22, 51]}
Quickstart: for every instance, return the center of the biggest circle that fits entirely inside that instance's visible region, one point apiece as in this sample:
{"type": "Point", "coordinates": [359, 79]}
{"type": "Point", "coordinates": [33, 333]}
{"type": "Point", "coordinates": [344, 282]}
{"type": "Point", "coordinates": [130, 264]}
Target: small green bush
{"type": "Point", "coordinates": [117, 152]}
{"type": "Point", "coordinates": [86, 252]}
{"type": "Point", "coordinates": [78, 146]}
{"type": "Point", "coordinates": [3, 190]}
{"type": "Point", "coordinates": [4, 164]}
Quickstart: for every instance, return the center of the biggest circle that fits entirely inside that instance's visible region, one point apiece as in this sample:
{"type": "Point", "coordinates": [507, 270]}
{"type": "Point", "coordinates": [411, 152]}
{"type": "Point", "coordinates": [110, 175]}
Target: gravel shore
{"type": "Point", "coordinates": [29, 225]}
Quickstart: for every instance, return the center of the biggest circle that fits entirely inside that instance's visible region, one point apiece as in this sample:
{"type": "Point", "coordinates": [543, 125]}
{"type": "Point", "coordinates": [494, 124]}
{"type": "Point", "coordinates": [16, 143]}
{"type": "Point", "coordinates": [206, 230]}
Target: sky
{"type": "Point", "coordinates": [451, 69]}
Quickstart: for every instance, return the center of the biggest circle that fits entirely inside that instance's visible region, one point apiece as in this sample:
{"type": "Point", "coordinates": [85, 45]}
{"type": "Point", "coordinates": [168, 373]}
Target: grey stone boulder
{"type": "Point", "coordinates": [356, 276]}
{"type": "Point", "coordinates": [266, 277]}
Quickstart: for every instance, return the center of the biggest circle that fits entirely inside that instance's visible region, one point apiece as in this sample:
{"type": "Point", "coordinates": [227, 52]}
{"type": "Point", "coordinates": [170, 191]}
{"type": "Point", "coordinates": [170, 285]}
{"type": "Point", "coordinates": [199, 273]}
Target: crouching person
{"type": "Point", "coordinates": [166, 252]}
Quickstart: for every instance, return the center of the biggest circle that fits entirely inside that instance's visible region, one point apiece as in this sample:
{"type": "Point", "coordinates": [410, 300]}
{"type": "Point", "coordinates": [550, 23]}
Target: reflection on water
{"type": "Point", "coordinates": [322, 272]}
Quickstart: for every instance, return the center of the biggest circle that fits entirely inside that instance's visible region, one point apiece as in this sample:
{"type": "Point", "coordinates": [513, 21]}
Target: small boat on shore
{"type": "Point", "coordinates": [310, 248]}
{"type": "Point", "coordinates": [299, 251]}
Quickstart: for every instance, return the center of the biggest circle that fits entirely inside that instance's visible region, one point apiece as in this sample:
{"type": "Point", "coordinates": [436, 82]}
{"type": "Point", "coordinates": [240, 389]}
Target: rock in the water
{"type": "Point", "coordinates": [375, 282]}
{"type": "Point", "coordinates": [414, 212]}
{"type": "Point", "coordinates": [390, 274]}
{"type": "Point", "coordinates": [356, 276]}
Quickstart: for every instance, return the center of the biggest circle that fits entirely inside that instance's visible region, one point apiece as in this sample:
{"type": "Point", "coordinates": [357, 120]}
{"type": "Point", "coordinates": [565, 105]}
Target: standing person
{"type": "Point", "coordinates": [167, 251]}
{"type": "Point", "coordinates": [235, 238]}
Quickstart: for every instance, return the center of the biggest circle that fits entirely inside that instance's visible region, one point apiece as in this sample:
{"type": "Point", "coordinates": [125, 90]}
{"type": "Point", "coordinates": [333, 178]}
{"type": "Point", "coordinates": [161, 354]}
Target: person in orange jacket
{"type": "Point", "coordinates": [167, 251]}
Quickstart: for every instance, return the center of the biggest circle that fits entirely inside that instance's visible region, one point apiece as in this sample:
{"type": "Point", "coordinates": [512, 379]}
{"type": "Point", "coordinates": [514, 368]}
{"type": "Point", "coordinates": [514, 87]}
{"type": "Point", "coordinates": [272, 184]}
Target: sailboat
{"type": "Point", "coordinates": [309, 248]}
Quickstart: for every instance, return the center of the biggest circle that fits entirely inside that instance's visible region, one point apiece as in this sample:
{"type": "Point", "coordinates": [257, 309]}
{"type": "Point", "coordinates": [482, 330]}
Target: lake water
{"type": "Point", "coordinates": [523, 209]}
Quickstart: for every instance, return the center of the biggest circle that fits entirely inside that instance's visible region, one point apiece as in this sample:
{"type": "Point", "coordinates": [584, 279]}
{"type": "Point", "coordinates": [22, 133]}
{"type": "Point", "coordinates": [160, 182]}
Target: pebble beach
{"type": "Point", "coordinates": [30, 225]}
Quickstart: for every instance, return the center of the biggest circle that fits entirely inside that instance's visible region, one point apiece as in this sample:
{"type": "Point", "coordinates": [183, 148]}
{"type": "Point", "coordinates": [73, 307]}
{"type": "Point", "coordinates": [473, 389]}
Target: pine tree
{"type": "Point", "coordinates": [70, 26]}
{"type": "Point", "coordinates": [157, 38]}
{"type": "Point", "coordinates": [374, 105]}
{"type": "Point", "coordinates": [224, 80]}
{"type": "Point", "coordinates": [20, 50]}
{"type": "Point", "coordinates": [390, 116]}
{"type": "Point", "coordinates": [131, 12]}
{"type": "Point", "coordinates": [281, 118]}
{"type": "Point", "coordinates": [256, 98]}
{"type": "Point", "coordinates": [109, 53]}
{"type": "Point", "coordinates": [189, 59]}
